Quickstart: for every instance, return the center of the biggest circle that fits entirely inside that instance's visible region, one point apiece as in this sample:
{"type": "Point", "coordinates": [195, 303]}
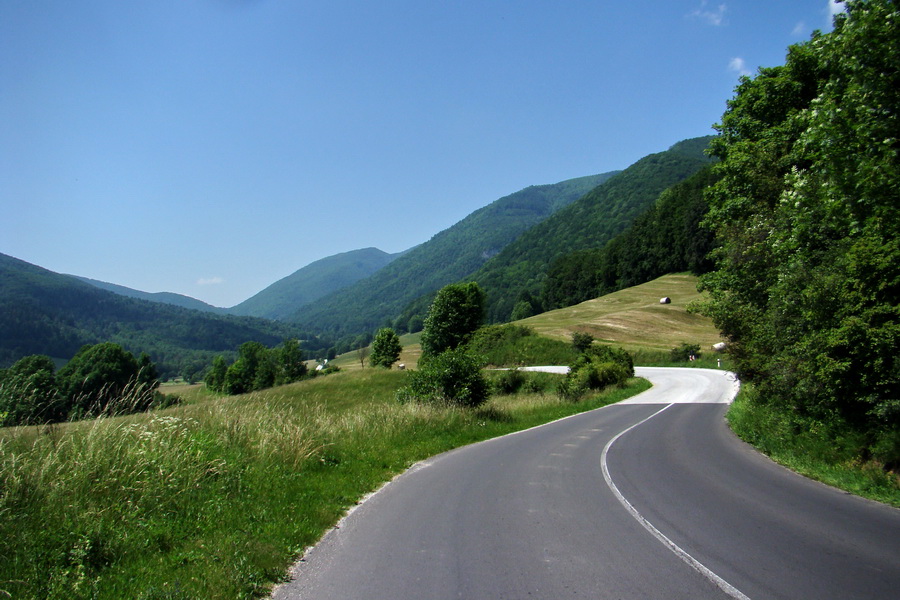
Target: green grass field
{"type": "Point", "coordinates": [632, 319]}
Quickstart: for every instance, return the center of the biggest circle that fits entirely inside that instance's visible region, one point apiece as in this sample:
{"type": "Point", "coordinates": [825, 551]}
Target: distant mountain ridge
{"type": "Point", "coordinates": [162, 297]}
{"type": "Point", "coordinates": [42, 312]}
{"type": "Point", "coordinates": [315, 280]}
{"type": "Point", "coordinates": [507, 246]}
{"type": "Point", "coordinates": [447, 257]}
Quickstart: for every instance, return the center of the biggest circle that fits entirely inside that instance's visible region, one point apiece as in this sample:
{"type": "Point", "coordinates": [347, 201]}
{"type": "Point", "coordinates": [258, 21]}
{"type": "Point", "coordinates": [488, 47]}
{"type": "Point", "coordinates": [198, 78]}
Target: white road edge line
{"type": "Point", "coordinates": [679, 552]}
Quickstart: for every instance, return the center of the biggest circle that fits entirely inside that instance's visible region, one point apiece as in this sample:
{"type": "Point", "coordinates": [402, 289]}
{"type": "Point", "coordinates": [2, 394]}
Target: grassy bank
{"type": "Point", "coordinates": [215, 498]}
{"type": "Point", "coordinates": [812, 449]}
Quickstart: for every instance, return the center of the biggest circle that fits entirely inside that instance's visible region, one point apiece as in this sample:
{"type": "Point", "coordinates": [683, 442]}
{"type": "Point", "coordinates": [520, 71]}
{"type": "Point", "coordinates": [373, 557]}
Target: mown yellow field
{"type": "Point", "coordinates": [634, 318]}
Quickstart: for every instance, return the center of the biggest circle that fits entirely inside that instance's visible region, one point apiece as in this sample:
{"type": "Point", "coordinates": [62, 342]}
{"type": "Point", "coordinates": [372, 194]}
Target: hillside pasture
{"type": "Point", "coordinates": [634, 319]}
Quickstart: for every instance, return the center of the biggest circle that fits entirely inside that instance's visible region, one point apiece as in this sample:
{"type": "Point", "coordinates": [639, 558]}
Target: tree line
{"type": "Point", "coordinates": [100, 379]}
{"type": "Point", "coordinates": [805, 209]}
{"type": "Point", "coordinates": [257, 368]}
{"type": "Point", "coordinates": [668, 238]}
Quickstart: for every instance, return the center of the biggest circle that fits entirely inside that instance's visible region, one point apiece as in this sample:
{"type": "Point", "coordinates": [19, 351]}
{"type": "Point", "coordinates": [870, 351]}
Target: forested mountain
{"type": "Point", "coordinates": [42, 312]}
{"type": "Point", "coordinates": [163, 297]}
{"type": "Point", "coordinates": [447, 257]}
{"type": "Point", "coordinates": [667, 238]}
{"type": "Point", "coordinates": [517, 273]}
{"type": "Point", "coordinates": [318, 279]}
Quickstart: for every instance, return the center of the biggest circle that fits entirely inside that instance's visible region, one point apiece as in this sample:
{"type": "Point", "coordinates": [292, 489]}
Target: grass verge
{"type": "Point", "coordinates": [811, 449]}
{"type": "Point", "coordinates": [215, 498]}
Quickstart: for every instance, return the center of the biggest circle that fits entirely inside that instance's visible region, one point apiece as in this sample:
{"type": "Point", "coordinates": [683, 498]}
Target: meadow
{"type": "Point", "coordinates": [216, 497]}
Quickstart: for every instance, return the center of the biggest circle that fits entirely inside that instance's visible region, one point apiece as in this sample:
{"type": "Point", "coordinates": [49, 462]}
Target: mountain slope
{"type": "Point", "coordinates": [162, 297]}
{"type": "Point", "coordinates": [447, 257]}
{"type": "Point", "coordinates": [312, 282]}
{"type": "Point", "coordinates": [594, 219]}
{"type": "Point", "coordinates": [42, 312]}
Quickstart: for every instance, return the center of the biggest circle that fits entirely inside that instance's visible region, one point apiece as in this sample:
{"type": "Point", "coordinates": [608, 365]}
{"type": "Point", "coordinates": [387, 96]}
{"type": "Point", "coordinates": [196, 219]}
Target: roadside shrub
{"type": "Point", "coordinates": [597, 368]}
{"type": "Point", "coordinates": [685, 352]}
{"type": "Point", "coordinates": [508, 382]}
{"type": "Point", "coordinates": [613, 355]}
{"type": "Point", "coordinates": [515, 345]}
{"type": "Point", "coordinates": [582, 341]}
{"type": "Point", "coordinates": [572, 388]}
{"type": "Point", "coordinates": [452, 378]}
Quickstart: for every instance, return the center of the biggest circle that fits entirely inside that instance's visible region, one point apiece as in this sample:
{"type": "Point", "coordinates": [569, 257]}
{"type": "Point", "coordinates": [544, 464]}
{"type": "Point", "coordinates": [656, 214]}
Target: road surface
{"type": "Point", "coordinates": [649, 498]}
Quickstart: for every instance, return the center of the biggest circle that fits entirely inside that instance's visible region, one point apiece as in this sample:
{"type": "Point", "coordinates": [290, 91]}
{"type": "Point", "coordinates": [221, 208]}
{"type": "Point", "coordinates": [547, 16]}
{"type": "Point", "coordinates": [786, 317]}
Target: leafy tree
{"type": "Point", "coordinates": [253, 370]}
{"type": "Point", "coordinates": [215, 378]}
{"type": "Point", "coordinates": [808, 282]}
{"type": "Point", "coordinates": [289, 362]}
{"type": "Point", "coordinates": [452, 378]}
{"type": "Point", "coordinates": [102, 377]}
{"type": "Point", "coordinates": [148, 375]}
{"type": "Point", "coordinates": [29, 393]}
{"type": "Point", "coordinates": [386, 348]}
{"type": "Point", "coordinates": [455, 314]}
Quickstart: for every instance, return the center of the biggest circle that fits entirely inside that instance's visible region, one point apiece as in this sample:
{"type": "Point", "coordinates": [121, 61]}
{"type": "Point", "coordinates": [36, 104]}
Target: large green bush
{"type": "Point", "coordinates": [455, 314]}
{"type": "Point", "coordinates": [595, 369]}
{"type": "Point", "coordinates": [452, 378]}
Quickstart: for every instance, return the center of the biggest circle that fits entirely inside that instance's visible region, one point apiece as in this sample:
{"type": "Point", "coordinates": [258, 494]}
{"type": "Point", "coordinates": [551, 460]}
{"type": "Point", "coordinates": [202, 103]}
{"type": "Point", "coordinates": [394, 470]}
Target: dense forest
{"type": "Point", "coordinates": [446, 258]}
{"type": "Point", "coordinates": [668, 238]}
{"type": "Point", "coordinates": [42, 312]}
{"type": "Point", "coordinates": [807, 280]}
{"type": "Point", "coordinates": [517, 273]}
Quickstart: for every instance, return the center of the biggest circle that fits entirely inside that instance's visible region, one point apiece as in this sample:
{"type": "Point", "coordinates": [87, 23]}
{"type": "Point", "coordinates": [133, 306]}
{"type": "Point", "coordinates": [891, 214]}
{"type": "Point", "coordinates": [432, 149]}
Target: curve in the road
{"type": "Point", "coordinates": [532, 515]}
{"type": "Point", "coordinates": [665, 541]}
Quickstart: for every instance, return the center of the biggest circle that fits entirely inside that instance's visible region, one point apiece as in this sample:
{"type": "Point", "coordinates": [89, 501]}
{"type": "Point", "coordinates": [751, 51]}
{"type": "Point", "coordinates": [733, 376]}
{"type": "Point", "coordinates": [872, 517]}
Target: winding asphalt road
{"type": "Point", "coordinates": [649, 498]}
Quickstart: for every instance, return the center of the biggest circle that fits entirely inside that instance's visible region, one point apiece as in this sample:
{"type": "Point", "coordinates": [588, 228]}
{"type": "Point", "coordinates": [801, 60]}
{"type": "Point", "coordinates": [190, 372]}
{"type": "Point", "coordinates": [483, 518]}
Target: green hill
{"type": "Point", "coordinates": [42, 312]}
{"type": "Point", "coordinates": [666, 238]}
{"type": "Point", "coordinates": [517, 273]}
{"type": "Point", "coordinates": [447, 257]}
{"type": "Point", "coordinates": [320, 278]}
{"type": "Point", "coordinates": [163, 297]}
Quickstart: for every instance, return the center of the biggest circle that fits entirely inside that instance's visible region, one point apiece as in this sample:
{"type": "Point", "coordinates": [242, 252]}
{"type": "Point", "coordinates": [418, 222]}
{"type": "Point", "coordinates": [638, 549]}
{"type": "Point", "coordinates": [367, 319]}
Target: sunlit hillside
{"type": "Point", "coordinates": [634, 318]}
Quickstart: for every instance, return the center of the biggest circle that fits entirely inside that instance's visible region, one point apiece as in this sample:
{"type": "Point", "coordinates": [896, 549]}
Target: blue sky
{"type": "Point", "coordinates": [212, 147]}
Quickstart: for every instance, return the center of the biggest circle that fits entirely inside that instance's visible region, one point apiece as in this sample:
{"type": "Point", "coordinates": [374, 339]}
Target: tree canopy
{"type": "Point", "coordinates": [100, 379]}
{"type": "Point", "coordinates": [386, 348]}
{"type": "Point", "coordinates": [455, 314]}
{"type": "Point", "coordinates": [806, 210]}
